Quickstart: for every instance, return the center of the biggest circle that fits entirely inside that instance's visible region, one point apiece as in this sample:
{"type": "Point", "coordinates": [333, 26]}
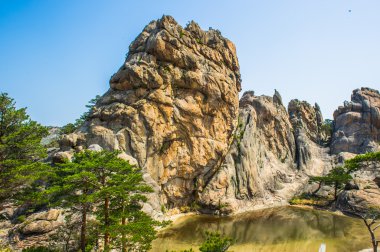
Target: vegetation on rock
{"type": "Point", "coordinates": [71, 127]}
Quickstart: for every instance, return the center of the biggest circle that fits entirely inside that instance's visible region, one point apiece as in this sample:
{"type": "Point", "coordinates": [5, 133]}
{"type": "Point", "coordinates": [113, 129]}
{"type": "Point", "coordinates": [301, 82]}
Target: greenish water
{"type": "Point", "coordinates": [278, 229]}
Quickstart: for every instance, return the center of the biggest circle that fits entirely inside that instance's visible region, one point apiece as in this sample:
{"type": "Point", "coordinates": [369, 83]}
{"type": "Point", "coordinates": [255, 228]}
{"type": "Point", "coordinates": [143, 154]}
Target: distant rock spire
{"type": "Point", "coordinates": [277, 97]}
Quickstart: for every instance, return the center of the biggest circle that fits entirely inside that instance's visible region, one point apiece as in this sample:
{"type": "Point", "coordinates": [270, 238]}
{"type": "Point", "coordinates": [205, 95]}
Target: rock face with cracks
{"type": "Point", "coordinates": [261, 168]}
{"type": "Point", "coordinates": [357, 123]}
{"type": "Point", "coordinates": [172, 106]}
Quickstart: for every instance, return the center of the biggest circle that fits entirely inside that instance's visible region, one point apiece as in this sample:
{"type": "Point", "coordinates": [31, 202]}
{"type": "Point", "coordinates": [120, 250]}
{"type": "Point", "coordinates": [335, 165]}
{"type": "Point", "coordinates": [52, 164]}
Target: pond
{"type": "Point", "coordinates": [277, 229]}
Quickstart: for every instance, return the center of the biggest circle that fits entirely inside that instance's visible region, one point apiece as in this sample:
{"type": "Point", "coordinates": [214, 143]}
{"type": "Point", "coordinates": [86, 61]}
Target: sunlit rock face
{"type": "Point", "coordinates": [262, 169]}
{"type": "Point", "coordinates": [357, 123]}
{"type": "Point", "coordinates": [172, 106]}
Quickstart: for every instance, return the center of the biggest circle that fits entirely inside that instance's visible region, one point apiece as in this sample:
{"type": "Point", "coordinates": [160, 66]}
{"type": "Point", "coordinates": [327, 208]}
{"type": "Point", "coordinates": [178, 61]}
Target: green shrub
{"type": "Point", "coordinates": [215, 242]}
{"type": "Point", "coordinates": [21, 219]}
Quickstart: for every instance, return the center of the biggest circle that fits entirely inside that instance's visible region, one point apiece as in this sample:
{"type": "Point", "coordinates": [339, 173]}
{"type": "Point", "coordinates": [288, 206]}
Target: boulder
{"type": "Point", "coordinates": [62, 156]}
{"type": "Point", "coordinates": [359, 201]}
{"type": "Point", "coordinates": [357, 123]}
{"type": "Point", "coordinates": [37, 227]}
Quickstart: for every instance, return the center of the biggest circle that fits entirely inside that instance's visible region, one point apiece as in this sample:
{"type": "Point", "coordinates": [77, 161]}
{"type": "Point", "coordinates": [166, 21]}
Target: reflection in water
{"type": "Point", "coordinates": [277, 229]}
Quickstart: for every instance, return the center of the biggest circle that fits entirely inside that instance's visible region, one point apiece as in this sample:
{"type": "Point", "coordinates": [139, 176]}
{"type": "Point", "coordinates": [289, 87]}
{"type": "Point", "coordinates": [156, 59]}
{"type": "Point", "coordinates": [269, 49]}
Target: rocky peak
{"type": "Point", "coordinates": [172, 106]}
{"type": "Point", "coordinates": [306, 117]}
{"type": "Point", "coordinates": [357, 123]}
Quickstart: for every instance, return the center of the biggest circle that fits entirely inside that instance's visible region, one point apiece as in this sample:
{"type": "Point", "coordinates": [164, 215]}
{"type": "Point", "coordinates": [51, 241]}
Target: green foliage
{"type": "Point", "coordinates": [337, 175]}
{"type": "Point", "coordinates": [4, 248]}
{"type": "Point", "coordinates": [20, 148]}
{"type": "Point", "coordinates": [21, 218]}
{"type": "Point", "coordinates": [102, 184]}
{"type": "Point", "coordinates": [71, 127]}
{"type": "Point", "coordinates": [327, 127]}
{"type": "Point", "coordinates": [68, 128]}
{"type": "Point", "coordinates": [181, 33]}
{"type": "Point", "coordinates": [353, 164]}
{"type": "Point", "coordinates": [38, 249]}
{"type": "Point", "coordinates": [215, 243]}
{"type": "Point", "coordinates": [337, 178]}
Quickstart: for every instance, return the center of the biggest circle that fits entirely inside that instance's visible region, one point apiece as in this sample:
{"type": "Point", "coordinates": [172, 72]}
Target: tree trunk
{"type": "Point", "coordinates": [336, 191]}
{"type": "Point", "coordinates": [317, 190]}
{"type": "Point", "coordinates": [374, 242]}
{"type": "Point", "coordinates": [106, 223]}
{"type": "Point", "coordinates": [83, 228]}
{"type": "Point", "coordinates": [372, 233]}
{"type": "Point", "coordinates": [123, 238]}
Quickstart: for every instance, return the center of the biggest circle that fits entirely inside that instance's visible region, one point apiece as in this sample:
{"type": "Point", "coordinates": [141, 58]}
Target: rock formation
{"type": "Point", "coordinates": [357, 123]}
{"type": "Point", "coordinates": [262, 167]}
{"type": "Point", "coordinates": [363, 192]}
{"type": "Point", "coordinates": [172, 106]}
{"type": "Point", "coordinates": [173, 109]}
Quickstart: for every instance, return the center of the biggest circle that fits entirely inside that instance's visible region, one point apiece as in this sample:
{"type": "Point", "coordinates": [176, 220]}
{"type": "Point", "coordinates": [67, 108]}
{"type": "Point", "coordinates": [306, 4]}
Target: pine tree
{"type": "Point", "coordinates": [20, 148]}
{"type": "Point", "coordinates": [337, 178]}
{"type": "Point", "coordinates": [101, 184]}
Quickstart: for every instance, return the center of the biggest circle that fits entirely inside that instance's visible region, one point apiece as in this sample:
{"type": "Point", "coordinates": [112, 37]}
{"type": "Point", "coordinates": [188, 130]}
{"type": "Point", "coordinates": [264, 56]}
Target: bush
{"type": "Point", "coordinates": [215, 242]}
{"type": "Point", "coordinates": [21, 219]}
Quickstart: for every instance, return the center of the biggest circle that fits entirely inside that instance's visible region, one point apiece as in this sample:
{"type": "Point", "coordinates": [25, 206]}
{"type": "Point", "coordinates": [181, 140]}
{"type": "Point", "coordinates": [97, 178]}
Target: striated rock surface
{"type": "Point", "coordinates": [357, 123]}
{"type": "Point", "coordinates": [306, 117]}
{"type": "Point", "coordinates": [172, 106]}
{"type": "Point", "coordinates": [261, 168]}
{"type": "Point", "coordinates": [306, 121]}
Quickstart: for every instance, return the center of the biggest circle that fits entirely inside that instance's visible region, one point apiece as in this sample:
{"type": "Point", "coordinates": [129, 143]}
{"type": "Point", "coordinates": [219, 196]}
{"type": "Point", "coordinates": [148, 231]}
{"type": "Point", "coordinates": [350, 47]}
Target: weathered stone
{"type": "Point", "coordinates": [377, 181]}
{"type": "Point", "coordinates": [62, 156]}
{"type": "Point", "coordinates": [131, 160]}
{"type": "Point", "coordinates": [37, 227]}
{"type": "Point", "coordinates": [357, 123]}
{"type": "Point", "coordinates": [172, 106]}
{"type": "Point", "coordinates": [351, 185]}
{"type": "Point", "coordinates": [359, 201]}
{"type": "Point", "coordinates": [259, 169]}
{"type": "Point", "coordinates": [50, 215]}
{"type": "Point", "coordinates": [306, 117]}
{"type": "Point", "coordinates": [95, 147]}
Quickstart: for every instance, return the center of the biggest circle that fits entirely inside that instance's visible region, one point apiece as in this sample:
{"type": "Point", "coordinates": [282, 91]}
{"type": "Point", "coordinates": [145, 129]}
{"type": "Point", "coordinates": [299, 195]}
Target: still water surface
{"type": "Point", "coordinates": [278, 229]}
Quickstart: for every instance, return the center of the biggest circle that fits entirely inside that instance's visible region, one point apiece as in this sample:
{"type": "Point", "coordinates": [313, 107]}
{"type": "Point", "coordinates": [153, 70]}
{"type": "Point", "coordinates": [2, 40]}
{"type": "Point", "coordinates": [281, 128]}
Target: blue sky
{"type": "Point", "coordinates": [57, 55]}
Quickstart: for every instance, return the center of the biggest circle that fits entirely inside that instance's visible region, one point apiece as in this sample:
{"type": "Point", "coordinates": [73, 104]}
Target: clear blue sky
{"type": "Point", "coordinates": [57, 55]}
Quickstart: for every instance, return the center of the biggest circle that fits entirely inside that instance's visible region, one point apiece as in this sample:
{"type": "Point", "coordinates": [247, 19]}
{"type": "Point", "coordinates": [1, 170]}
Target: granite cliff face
{"type": "Point", "coordinates": [172, 106]}
{"type": "Point", "coordinates": [173, 109]}
{"type": "Point", "coordinates": [357, 123]}
{"type": "Point", "coordinates": [262, 168]}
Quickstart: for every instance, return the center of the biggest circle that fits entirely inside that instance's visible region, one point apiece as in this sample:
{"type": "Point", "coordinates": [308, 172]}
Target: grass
{"type": "Point", "coordinates": [306, 199]}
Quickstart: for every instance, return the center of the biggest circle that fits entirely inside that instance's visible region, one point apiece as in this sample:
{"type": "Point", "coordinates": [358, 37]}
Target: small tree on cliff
{"type": "Point", "coordinates": [20, 148]}
{"type": "Point", "coordinates": [71, 127]}
{"type": "Point", "coordinates": [337, 178]}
